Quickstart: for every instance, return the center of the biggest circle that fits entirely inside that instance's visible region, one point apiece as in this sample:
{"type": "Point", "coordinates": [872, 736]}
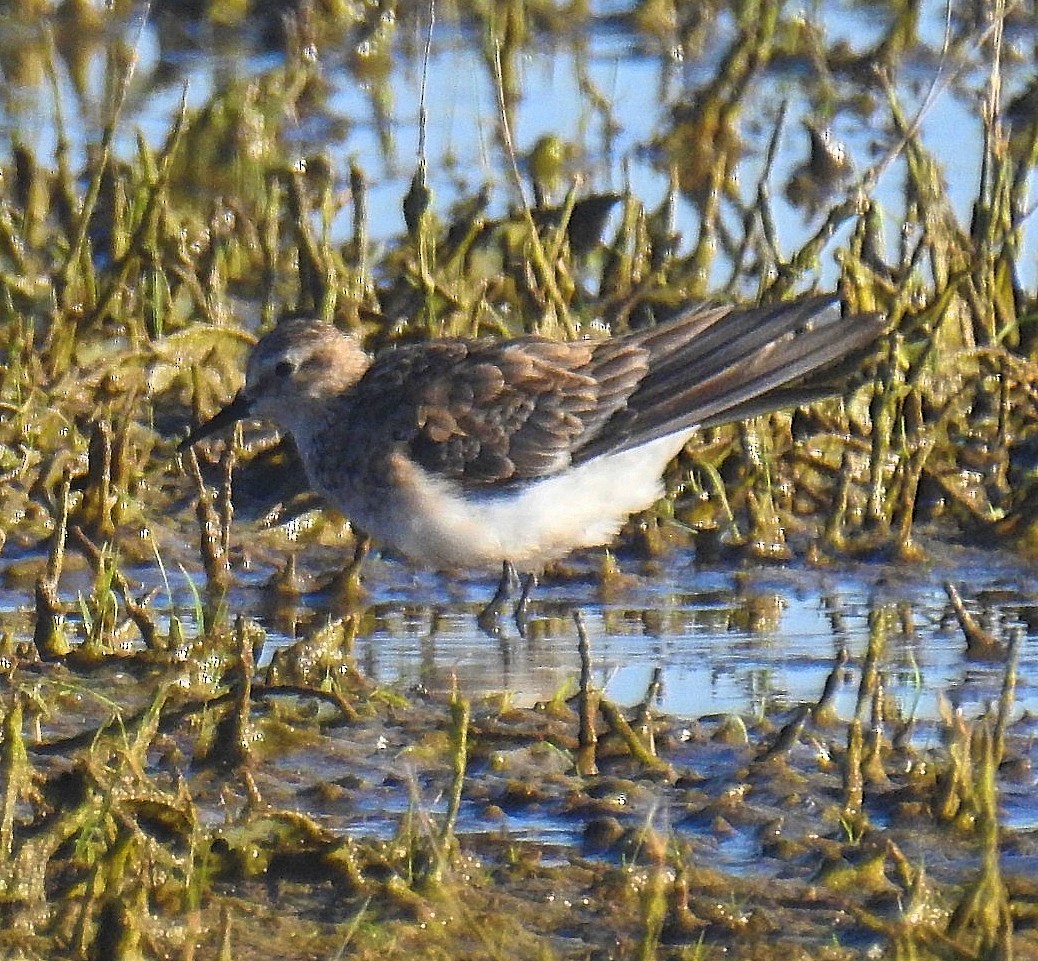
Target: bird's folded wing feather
{"type": "Point", "coordinates": [490, 413]}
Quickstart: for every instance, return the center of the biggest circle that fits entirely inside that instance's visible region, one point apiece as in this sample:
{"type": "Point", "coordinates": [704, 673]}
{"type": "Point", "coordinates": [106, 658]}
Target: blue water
{"type": "Point", "coordinates": [641, 79]}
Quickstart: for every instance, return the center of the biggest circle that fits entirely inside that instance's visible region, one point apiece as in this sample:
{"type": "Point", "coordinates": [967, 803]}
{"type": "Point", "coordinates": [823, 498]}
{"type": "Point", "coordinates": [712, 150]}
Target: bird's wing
{"type": "Point", "coordinates": [489, 413]}
{"type": "Point", "coordinates": [716, 365]}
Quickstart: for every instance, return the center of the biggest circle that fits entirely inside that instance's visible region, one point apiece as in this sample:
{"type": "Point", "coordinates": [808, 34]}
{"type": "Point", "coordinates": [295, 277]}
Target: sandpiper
{"type": "Point", "coordinates": [471, 453]}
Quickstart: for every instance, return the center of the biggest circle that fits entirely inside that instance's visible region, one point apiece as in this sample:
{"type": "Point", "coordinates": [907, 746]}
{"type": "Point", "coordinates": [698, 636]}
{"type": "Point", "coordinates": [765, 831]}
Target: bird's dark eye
{"type": "Point", "coordinates": [284, 368]}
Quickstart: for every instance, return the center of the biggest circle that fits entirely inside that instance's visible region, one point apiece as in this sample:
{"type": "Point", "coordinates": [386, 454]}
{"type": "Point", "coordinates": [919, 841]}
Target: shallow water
{"type": "Point", "coordinates": [744, 641]}
{"type": "Point", "coordinates": [703, 641]}
{"type": "Point", "coordinates": [714, 639]}
{"type": "Point", "coordinates": [756, 643]}
{"type": "Point", "coordinates": [373, 118]}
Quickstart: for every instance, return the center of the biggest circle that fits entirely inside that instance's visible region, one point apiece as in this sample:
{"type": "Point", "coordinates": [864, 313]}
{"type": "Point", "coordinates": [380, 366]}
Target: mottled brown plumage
{"type": "Point", "coordinates": [485, 413]}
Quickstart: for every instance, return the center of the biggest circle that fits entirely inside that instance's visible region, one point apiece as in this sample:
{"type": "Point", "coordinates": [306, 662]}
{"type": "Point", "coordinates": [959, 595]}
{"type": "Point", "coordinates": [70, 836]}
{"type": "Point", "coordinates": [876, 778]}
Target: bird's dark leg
{"type": "Point", "coordinates": [360, 554]}
{"type": "Point", "coordinates": [529, 583]}
{"type": "Point", "coordinates": [490, 617]}
{"type": "Point", "coordinates": [346, 584]}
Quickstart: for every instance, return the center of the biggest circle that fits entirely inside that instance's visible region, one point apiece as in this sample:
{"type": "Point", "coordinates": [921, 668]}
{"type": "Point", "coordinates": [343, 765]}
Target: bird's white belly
{"type": "Point", "coordinates": [434, 523]}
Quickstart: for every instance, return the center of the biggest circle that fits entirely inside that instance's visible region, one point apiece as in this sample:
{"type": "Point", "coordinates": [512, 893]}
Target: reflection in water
{"type": "Point", "coordinates": [745, 642]}
{"type": "Point", "coordinates": [627, 101]}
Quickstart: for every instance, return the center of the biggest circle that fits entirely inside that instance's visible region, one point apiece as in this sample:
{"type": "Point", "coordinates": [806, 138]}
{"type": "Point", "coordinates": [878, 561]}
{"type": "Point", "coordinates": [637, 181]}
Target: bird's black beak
{"type": "Point", "coordinates": [234, 411]}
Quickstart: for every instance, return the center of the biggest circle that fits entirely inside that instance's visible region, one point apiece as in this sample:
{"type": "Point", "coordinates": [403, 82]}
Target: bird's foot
{"type": "Point", "coordinates": [489, 618]}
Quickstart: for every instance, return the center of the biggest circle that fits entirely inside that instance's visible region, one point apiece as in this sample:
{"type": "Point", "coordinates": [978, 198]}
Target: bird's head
{"type": "Point", "coordinates": [293, 371]}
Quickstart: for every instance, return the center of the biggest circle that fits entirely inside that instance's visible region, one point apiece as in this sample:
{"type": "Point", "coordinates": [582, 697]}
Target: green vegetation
{"type": "Point", "coordinates": [152, 802]}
